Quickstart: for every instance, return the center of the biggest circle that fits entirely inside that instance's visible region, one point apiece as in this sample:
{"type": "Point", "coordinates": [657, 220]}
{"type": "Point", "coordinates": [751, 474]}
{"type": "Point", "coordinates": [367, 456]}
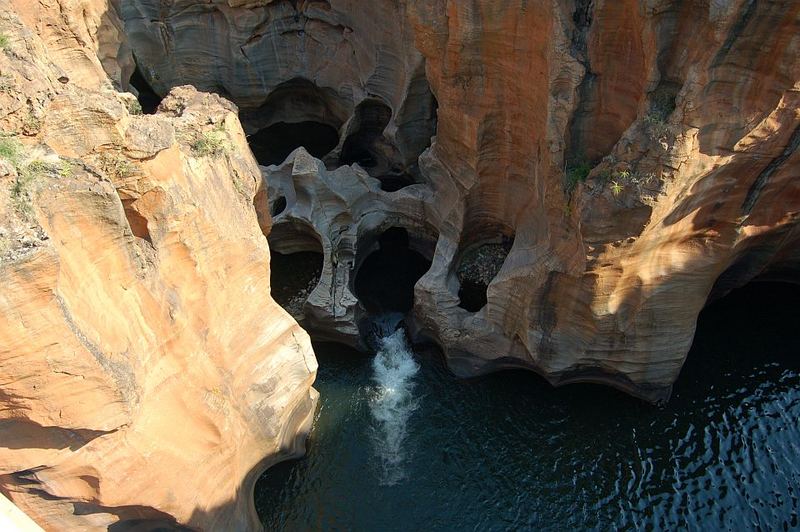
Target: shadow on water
{"type": "Point", "coordinates": [508, 451]}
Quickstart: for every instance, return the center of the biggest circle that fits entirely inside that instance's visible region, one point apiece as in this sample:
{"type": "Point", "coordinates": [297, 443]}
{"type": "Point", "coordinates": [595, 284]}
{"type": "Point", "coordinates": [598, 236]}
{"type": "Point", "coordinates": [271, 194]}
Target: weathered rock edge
{"type": "Point", "coordinates": [148, 377]}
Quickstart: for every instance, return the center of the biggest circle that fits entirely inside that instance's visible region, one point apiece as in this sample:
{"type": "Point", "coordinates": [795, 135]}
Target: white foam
{"type": "Point", "coordinates": [392, 404]}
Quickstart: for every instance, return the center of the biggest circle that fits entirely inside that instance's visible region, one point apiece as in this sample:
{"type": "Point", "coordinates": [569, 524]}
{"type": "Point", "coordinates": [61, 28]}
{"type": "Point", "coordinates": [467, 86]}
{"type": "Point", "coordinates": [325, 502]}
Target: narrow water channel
{"type": "Point", "coordinates": [509, 452]}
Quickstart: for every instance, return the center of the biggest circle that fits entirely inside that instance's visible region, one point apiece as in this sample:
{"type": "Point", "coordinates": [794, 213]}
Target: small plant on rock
{"type": "Point", "coordinates": [657, 125]}
{"type": "Point", "coordinates": [31, 125]}
{"type": "Point", "coordinates": [116, 165]}
{"type": "Point", "coordinates": [622, 175]}
{"type": "Point", "coordinates": [4, 41]}
{"type": "Point", "coordinates": [575, 174]}
{"type": "Point", "coordinates": [27, 177]}
{"type": "Point", "coordinates": [10, 150]}
{"type": "Point", "coordinates": [66, 168]}
{"type": "Point", "coordinates": [134, 107]}
{"type": "Point", "coordinates": [212, 143]}
{"type": "Point", "coordinates": [617, 188]}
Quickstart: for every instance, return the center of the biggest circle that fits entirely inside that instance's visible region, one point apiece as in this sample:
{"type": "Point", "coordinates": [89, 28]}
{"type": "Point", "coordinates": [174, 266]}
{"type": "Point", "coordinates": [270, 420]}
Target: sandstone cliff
{"type": "Point", "coordinates": [640, 155]}
{"type": "Point", "coordinates": [583, 176]}
{"type": "Point", "coordinates": [148, 377]}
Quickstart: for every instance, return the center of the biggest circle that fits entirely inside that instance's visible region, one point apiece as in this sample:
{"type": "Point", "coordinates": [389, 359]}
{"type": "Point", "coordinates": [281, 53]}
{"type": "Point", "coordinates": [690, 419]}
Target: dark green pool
{"type": "Point", "coordinates": [508, 452]}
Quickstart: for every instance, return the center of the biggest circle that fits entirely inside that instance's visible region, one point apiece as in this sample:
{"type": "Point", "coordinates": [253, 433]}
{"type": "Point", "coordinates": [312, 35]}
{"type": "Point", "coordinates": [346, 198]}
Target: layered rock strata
{"type": "Point", "coordinates": [148, 377]}
{"type": "Point", "coordinates": [639, 157]}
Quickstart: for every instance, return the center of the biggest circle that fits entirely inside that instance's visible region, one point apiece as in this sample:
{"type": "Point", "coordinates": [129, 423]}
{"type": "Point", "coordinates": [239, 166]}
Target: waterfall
{"type": "Point", "coordinates": [392, 403]}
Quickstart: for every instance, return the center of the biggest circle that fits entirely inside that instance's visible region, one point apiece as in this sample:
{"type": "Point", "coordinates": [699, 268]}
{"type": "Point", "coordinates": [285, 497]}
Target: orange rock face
{"type": "Point", "coordinates": [629, 149]}
{"type": "Point", "coordinates": [688, 116]}
{"type": "Point", "coordinates": [147, 373]}
{"type": "Point", "coordinates": [636, 159]}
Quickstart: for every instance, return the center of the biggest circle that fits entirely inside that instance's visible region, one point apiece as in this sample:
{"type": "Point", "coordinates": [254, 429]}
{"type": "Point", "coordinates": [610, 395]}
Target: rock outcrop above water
{"type": "Point", "coordinates": [642, 157]}
{"type": "Point", "coordinates": [148, 377]}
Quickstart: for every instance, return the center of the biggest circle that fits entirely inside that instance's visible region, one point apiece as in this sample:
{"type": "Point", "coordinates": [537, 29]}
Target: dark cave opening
{"type": "Point", "coordinates": [278, 206]}
{"type": "Point", "coordinates": [148, 98]}
{"type": "Point", "coordinates": [295, 113]}
{"type": "Point", "coordinates": [273, 144]}
{"type": "Point", "coordinates": [393, 183]}
{"type": "Point", "coordinates": [478, 265]}
{"type": "Point", "coordinates": [295, 266]}
{"type": "Point", "coordinates": [293, 277]}
{"type": "Point", "coordinates": [362, 144]}
{"type": "Point", "coordinates": [385, 280]}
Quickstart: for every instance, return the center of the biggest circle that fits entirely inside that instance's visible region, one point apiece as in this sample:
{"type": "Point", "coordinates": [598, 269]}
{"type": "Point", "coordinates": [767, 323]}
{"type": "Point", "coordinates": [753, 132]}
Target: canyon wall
{"type": "Point", "coordinates": [583, 176]}
{"type": "Point", "coordinates": [640, 156]}
{"type": "Point", "coordinates": [148, 377]}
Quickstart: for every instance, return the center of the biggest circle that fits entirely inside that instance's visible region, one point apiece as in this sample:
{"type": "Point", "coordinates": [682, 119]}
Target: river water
{"type": "Point", "coordinates": [399, 444]}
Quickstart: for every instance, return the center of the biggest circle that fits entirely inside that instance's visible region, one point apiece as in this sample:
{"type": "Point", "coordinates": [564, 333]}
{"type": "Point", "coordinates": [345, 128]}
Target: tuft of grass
{"type": "Point", "coordinates": [10, 150]}
{"type": "Point", "coordinates": [117, 165]}
{"type": "Point", "coordinates": [577, 174]}
{"type": "Point", "coordinates": [4, 41]}
{"type": "Point", "coordinates": [657, 125]}
{"type": "Point", "coordinates": [212, 143]}
{"type": "Point", "coordinates": [617, 188]}
{"type": "Point", "coordinates": [27, 178]}
{"type": "Point", "coordinates": [134, 107]}
{"type": "Point", "coordinates": [66, 168]}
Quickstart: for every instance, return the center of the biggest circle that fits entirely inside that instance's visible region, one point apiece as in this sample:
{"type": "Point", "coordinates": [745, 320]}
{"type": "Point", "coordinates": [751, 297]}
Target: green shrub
{"type": "Point", "coordinates": [4, 41]}
{"type": "Point", "coordinates": [617, 188]}
{"type": "Point", "coordinates": [212, 143]}
{"type": "Point", "coordinates": [134, 107]}
{"type": "Point", "coordinates": [663, 100]}
{"type": "Point", "coordinates": [10, 150]}
{"type": "Point", "coordinates": [577, 174]}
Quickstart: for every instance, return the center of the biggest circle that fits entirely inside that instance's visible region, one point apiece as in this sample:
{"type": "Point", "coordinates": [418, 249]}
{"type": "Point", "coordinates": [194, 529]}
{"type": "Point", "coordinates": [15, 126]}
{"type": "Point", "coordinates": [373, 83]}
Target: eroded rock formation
{"type": "Point", "coordinates": [148, 378]}
{"type": "Point", "coordinates": [640, 155]}
{"type": "Point", "coordinates": [626, 161]}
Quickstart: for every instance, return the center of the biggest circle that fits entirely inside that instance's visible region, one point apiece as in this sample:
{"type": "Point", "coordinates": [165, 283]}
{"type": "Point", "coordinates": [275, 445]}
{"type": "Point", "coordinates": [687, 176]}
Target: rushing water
{"type": "Point", "coordinates": [391, 405]}
{"type": "Point", "coordinates": [399, 444]}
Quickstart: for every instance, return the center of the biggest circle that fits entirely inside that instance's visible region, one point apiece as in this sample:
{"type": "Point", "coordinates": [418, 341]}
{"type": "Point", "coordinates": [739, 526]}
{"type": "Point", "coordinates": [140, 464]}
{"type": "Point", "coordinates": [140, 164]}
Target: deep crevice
{"type": "Point", "coordinates": [363, 143]}
{"type": "Point", "coordinates": [763, 178]}
{"type": "Point", "coordinates": [278, 206]}
{"type": "Point", "coordinates": [148, 98]}
{"type": "Point", "coordinates": [582, 18]}
{"type": "Point", "coordinates": [478, 265]}
{"type": "Point", "coordinates": [296, 265]}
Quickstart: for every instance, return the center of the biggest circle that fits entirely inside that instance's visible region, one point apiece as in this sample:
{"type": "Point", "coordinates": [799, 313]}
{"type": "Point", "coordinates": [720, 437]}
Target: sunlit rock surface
{"type": "Point", "coordinates": [637, 157]}
{"type": "Point", "coordinates": [148, 377]}
{"type": "Point", "coordinates": [641, 156]}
